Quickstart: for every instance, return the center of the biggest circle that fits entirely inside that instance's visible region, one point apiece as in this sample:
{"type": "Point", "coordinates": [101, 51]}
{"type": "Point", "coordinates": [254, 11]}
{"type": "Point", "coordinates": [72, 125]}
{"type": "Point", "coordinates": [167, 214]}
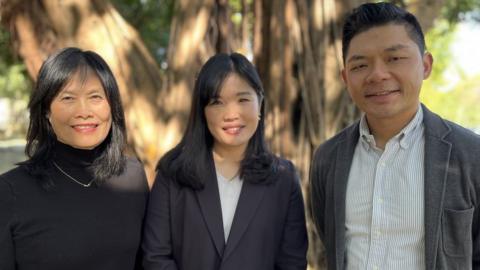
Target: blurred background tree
{"type": "Point", "coordinates": [14, 91]}
{"type": "Point", "coordinates": [451, 91]}
{"type": "Point", "coordinates": [156, 47]}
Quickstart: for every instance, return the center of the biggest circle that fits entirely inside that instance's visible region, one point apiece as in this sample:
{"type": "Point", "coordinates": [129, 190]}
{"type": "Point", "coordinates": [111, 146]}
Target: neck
{"type": "Point", "coordinates": [383, 129]}
{"type": "Point", "coordinates": [227, 160]}
{"type": "Point", "coordinates": [67, 155]}
{"type": "Point", "coordinates": [229, 154]}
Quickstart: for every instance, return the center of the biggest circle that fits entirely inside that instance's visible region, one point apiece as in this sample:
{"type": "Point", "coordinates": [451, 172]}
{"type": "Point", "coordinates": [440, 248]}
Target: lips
{"type": "Point", "coordinates": [233, 130]}
{"type": "Point", "coordinates": [381, 93]}
{"type": "Point", "coordinates": [85, 128]}
{"type": "Point", "coordinates": [383, 96]}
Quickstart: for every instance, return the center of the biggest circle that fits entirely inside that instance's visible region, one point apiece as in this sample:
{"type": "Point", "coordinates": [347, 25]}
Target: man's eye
{"type": "Point", "coordinates": [395, 58]}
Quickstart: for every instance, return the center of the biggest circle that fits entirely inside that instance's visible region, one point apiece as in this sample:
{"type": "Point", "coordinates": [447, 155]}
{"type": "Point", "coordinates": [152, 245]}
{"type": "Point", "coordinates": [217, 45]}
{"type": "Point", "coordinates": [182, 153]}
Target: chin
{"type": "Point", "coordinates": [86, 146]}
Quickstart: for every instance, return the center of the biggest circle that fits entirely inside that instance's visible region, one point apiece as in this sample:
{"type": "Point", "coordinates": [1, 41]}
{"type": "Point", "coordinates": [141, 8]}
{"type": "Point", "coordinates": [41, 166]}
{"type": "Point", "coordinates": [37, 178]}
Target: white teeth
{"type": "Point", "coordinates": [85, 127]}
{"type": "Point", "coordinates": [233, 130]}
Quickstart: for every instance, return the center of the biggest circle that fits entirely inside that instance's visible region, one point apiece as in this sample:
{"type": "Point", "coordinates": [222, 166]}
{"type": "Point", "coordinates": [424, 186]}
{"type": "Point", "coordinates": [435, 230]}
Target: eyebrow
{"type": "Point", "coordinates": [355, 57]}
{"type": "Point", "coordinates": [72, 92]}
{"type": "Point", "coordinates": [244, 93]}
{"type": "Point", "coordinates": [393, 48]}
{"type": "Point", "coordinates": [396, 47]}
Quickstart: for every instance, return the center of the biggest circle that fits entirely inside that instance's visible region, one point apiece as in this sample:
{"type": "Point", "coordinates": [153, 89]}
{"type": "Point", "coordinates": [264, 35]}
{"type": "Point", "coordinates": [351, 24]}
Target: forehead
{"type": "Point", "coordinates": [235, 85]}
{"type": "Point", "coordinates": [83, 77]}
{"type": "Point", "coordinates": [380, 38]}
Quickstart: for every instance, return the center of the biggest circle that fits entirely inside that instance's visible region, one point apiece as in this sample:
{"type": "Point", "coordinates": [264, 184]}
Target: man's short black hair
{"type": "Point", "coordinates": [371, 15]}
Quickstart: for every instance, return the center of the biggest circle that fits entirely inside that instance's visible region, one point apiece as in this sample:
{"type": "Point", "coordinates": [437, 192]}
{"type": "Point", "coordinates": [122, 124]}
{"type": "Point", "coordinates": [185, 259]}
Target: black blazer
{"type": "Point", "coordinates": [184, 228]}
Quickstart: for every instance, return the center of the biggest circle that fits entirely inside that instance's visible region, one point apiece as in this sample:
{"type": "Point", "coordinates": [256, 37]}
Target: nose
{"type": "Point", "coordinates": [83, 109]}
{"type": "Point", "coordinates": [231, 113]}
{"type": "Point", "coordinates": [379, 72]}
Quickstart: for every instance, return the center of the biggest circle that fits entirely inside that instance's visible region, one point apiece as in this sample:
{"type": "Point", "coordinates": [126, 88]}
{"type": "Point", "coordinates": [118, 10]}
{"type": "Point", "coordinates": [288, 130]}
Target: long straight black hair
{"type": "Point", "coordinates": [54, 74]}
{"type": "Point", "coordinates": [187, 162]}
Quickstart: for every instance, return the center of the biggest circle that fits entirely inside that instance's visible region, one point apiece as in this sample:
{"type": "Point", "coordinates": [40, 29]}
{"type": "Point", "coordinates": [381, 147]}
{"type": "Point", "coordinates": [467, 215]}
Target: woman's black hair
{"type": "Point", "coordinates": [187, 162]}
{"type": "Point", "coordinates": [53, 76]}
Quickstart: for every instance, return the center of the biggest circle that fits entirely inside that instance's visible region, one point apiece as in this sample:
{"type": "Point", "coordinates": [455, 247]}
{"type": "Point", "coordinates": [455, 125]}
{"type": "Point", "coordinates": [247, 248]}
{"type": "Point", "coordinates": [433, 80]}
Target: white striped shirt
{"type": "Point", "coordinates": [384, 221]}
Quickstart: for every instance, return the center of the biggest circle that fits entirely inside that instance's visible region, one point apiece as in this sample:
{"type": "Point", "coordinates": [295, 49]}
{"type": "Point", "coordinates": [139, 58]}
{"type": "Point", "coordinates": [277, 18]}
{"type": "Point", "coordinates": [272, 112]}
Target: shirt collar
{"type": "Point", "coordinates": [404, 137]}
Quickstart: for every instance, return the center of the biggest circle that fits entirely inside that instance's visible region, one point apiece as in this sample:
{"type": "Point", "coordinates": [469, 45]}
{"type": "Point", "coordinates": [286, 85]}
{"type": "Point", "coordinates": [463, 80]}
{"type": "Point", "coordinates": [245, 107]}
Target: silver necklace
{"type": "Point", "coordinates": [231, 178]}
{"type": "Point", "coordinates": [72, 178]}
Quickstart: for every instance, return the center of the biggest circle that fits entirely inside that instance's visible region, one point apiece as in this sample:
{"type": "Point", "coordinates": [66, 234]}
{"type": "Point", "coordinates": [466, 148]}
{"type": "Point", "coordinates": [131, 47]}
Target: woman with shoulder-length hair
{"type": "Point", "coordinates": [77, 202]}
{"type": "Point", "coordinates": [221, 199]}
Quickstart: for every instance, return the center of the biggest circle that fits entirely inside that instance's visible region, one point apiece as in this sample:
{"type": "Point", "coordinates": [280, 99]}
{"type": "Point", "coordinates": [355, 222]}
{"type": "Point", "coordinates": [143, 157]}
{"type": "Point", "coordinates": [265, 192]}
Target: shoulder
{"type": "Point", "coordinates": [285, 166]}
{"type": "Point", "coordinates": [17, 176]}
{"type": "Point", "coordinates": [7, 198]}
{"type": "Point", "coordinates": [443, 129]}
{"type": "Point", "coordinates": [286, 173]}
{"type": "Point", "coordinates": [133, 176]}
{"type": "Point", "coordinates": [462, 136]}
{"type": "Point", "coordinates": [19, 184]}
{"type": "Point", "coordinates": [465, 146]}
{"type": "Point", "coordinates": [5, 186]}
{"type": "Point", "coordinates": [325, 151]}
{"type": "Point", "coordinates": [134, 166]}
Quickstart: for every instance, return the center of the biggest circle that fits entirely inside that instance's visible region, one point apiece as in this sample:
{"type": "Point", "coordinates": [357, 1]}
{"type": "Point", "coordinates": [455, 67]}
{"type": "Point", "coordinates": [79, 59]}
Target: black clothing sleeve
{"type": "Point", "coordinates": [7, 252]}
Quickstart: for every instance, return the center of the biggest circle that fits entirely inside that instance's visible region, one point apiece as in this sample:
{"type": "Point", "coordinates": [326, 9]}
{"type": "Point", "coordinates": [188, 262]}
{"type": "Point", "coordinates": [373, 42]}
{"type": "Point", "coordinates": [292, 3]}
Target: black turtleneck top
{"type": "Point", "coordinates": [71, 226]}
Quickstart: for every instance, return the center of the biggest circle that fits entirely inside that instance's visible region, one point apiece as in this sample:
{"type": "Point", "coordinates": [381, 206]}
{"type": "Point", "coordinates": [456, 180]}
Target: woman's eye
{"type": "Point", "coordinates": [66, 98]}
{"type": "Point", "coordinates": [244, 100]}
{"type": "Point", "coordinates": [358, 67]}
{"type": "Point", "coordinates": [214, 102]}
{"type": "Point", "coordinates": [96, 97]}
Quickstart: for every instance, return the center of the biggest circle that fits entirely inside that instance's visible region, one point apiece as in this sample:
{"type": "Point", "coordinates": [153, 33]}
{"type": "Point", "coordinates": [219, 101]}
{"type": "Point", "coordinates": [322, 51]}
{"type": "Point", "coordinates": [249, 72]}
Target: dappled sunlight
{"type": "Point", "coordinates": [192, 35]}
{"type": "Point", "coordinates": [172, 135]}
{"type": "Point", "coordinates": [177, 98]}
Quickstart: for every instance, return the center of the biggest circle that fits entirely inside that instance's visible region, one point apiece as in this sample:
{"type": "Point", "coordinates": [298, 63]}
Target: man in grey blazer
{"type": "Point", "coordinates": [400, 188]}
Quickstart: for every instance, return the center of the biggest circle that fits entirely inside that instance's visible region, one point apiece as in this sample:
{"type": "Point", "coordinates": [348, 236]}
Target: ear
{"type": "Point", "coordinates": [344, 76]}
{"type": "Point", "coordinates": [427, 64]}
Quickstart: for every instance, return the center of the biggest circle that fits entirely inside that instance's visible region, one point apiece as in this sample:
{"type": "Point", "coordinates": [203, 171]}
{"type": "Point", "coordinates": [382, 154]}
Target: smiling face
{"type": "Point", "coordinates": [80, 114]}
{"type": "Point", "coordinates": [232, 117]}
{"type": "Point", "coordinates": [384, 71]}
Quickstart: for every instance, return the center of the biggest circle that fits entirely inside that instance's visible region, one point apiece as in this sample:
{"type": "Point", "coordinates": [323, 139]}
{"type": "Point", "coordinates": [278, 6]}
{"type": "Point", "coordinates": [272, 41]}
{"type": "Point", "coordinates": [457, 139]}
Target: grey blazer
{"type": "Point", "coordinates": [452, 194]}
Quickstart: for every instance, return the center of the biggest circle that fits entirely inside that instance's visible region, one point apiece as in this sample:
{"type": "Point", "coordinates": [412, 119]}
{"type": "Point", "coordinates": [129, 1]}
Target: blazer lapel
{"type": "Point", "coordinates": [343, 161]}
{"type": "Point", "coordinates": [437, 156]}
{"type": "Point", "coordinates": [250, 198]}
{"type": "Point", "coordinates": [209, 201]}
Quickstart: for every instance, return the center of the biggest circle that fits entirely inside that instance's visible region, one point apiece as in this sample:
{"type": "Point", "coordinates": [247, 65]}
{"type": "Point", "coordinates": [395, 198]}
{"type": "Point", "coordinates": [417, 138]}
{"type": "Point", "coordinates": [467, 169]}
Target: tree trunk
{"type": "Point", "coordinates": [297, 49]}
{"type": "Point", "coordinates": [187, 50]}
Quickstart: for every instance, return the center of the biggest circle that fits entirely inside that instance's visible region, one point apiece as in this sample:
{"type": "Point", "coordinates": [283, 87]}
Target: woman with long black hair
{"type": "Point", "coordinates": [78, 202]}
{"type": "Point", "coordinates": [221, 199]}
